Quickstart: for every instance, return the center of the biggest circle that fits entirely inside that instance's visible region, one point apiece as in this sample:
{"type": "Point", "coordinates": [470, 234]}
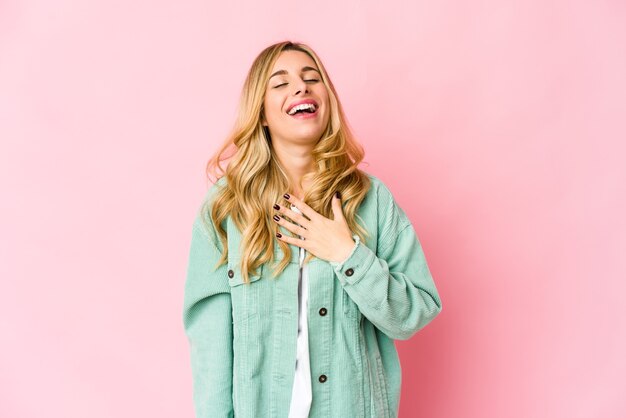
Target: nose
{"type": "Point", "coordinates": [301, 85]}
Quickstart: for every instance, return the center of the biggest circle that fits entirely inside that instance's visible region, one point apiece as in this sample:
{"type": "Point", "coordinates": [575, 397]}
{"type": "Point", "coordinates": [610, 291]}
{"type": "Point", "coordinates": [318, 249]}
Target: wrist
{"type": "Point", "coordinates": [348, 252]}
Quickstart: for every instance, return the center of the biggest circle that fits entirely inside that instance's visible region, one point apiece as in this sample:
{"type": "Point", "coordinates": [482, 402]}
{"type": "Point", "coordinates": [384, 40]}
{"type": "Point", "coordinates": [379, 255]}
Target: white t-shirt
{"type": "Point", "coordinates": [301, 395]}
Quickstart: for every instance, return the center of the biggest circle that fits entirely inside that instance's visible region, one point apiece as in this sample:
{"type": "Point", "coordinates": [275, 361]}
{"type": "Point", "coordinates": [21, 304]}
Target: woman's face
{"type": "Point", "coordinates": [296, 79]}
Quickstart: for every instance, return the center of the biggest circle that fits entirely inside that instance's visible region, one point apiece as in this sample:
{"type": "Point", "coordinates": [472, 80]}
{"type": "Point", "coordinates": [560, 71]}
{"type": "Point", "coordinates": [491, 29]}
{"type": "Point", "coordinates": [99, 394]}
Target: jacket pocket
{"type": "Point", "coordinates": [350, 309]}
{"type": "Point", "coordinates": [244, 296]}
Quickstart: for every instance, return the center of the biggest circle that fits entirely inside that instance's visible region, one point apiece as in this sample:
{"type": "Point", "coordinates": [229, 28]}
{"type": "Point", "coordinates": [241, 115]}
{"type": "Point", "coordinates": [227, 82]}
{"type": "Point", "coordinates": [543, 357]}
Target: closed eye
{"type": "Point", "coordinates": [315, 80]}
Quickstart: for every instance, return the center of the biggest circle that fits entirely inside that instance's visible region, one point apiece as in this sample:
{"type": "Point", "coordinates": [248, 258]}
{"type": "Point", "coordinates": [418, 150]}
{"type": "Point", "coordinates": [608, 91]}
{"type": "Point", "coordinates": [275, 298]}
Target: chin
{"type": "Point", "coordinates": [308, 137]}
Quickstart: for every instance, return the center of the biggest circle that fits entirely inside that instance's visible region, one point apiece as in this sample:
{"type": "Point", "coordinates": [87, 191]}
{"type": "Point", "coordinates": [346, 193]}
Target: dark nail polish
{"type": "Point", "coordinates": [276, 218]}
{"type": "Point", "coordinates": [338, 195]}
{"type": "Point", "coordinates": [278, 234]}
{"type": "Point", "coordinates": [286, 196]}
{"type": "Point", "coordinates": [276, 207]}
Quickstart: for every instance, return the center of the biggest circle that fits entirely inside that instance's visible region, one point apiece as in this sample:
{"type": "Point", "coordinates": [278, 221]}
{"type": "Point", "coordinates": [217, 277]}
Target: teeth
{"type": "Point", "coordinates": [301, 107]}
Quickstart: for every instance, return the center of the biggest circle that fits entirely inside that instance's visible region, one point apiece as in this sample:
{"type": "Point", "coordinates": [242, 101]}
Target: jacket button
{"type": "Point", "coordinates": [323, 378]}
{"type": "Point", "coordinates": [323, 311]}
{"type": "Point", "coordinates": [349, 272]}
{"type": "Point", "coordinates": [231, 274]}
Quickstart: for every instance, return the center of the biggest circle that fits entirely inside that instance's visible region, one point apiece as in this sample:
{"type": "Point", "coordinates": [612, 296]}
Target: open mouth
{"type": "Point", "coordinates": [304, 111]}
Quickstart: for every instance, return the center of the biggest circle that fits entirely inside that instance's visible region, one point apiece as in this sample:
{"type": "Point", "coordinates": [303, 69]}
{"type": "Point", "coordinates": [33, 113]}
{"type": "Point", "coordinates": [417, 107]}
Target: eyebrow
{"type": "Point", "coordinates": [304, 69]}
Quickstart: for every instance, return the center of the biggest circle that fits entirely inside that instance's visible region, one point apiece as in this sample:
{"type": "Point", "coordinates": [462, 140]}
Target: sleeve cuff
{"type": "Point", "coordinates": [339, 264]}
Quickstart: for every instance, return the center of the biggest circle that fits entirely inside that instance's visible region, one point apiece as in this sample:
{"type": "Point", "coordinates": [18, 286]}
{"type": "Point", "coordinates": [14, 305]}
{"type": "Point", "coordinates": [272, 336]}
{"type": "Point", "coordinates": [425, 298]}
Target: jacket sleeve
{"type": "Point", "coordinates": [207, 320]}
{"type": "Point", "coordinates": [392, 286]}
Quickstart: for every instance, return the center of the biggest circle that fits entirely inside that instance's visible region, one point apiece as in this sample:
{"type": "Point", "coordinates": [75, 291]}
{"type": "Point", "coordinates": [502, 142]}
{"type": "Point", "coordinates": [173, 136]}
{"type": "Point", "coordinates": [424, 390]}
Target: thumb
{"type": "Point", "coordinates": [336, 205]}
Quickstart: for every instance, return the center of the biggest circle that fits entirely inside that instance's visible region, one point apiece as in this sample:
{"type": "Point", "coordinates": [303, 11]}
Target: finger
{"type": "Point", "coordinates": [292, 215]}
{"type": "Point", "coordinates": [296, 229]}
{"type": "Point", "coordinates": [303, 207]}
{"type": "Point", "coordinates": [291, 240]}
{"type": "Point", "coordinates": [337, 209]}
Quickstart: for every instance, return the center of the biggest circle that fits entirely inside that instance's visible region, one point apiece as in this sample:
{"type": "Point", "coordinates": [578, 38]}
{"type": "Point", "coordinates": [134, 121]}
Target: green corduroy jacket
{"type": "Point", "coordinates": [242, 337]}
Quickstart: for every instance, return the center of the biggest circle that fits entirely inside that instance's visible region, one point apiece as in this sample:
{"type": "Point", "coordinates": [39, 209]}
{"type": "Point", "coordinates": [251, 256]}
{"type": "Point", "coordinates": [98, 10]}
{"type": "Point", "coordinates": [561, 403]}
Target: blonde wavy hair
{"type": "Point", "coordinates": [255, 178]}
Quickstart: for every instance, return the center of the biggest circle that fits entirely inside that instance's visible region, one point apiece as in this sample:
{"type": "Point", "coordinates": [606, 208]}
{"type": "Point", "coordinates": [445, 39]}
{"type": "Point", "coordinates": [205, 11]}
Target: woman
{"type": "Point", "coordinates": [302, 269]}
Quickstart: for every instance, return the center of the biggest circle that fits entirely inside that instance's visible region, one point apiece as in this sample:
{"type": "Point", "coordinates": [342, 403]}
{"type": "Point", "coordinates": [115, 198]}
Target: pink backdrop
{"type": "Point", "coordinates": [498, 126]}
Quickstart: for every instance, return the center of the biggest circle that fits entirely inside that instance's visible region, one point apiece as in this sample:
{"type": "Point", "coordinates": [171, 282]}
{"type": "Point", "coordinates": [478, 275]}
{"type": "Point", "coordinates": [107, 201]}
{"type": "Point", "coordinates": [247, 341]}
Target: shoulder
{"type": "Point", "coordinates": [211, 192]}
{"type": "Point", "coordinates": [215, 187]}
{"type": "Point", "coordinates": [391, 218]}
{"type": "Point", "coordinates": [379, 189]}
{"type": "Point", "coordinates": [382, 193]}
{"type": "Point", "coordinates": [203, 221]}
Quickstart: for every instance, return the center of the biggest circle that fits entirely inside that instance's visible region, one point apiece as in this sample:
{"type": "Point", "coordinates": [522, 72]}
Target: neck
{"type": "Point", "coordinates": [296, 161]}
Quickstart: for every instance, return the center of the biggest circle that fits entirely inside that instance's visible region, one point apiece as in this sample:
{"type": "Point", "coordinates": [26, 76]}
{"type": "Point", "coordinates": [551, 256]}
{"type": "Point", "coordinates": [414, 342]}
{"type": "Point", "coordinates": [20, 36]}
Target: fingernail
{"type": "Point", "coordinates": [276, 218]}
{"type": "Point", "coordinates": [338, 195]}
{"type": "Point", "coordinates": [278, 234]}
{"type": "Point", "coordinates": [276, 206]}
{"type": "Point", "coordinates": [286, 196]}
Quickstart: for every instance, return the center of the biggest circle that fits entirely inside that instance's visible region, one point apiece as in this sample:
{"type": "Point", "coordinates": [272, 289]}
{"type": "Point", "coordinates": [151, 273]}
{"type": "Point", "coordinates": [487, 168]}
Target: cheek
{"type": "Point", "coordinates": [327, 107]}
{"type": "Point", "coordinates": [326, 101]}
{"type": "Point", "coordinates": [272, 108]}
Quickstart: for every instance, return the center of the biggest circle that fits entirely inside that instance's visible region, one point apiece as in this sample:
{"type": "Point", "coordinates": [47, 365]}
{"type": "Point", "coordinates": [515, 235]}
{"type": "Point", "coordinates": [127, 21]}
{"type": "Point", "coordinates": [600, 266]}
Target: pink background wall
{"type": "Point", "coordinates": [498, 126]}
